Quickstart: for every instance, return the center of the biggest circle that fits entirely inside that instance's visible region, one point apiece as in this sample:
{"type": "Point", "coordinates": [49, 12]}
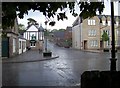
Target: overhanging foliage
{"type": "Point", "coordinates": [49, 9]}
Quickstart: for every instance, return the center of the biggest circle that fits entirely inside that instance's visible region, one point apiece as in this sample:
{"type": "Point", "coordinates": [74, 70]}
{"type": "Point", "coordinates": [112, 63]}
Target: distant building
{"type": "Point", "coordinates": [87, 33]}
{"type": "Point", "coordinates": [34, 36]}
{"type": "Point", "coordinates": [68, 32]}
{"type": "Point", "coordinates": [68, 36]}
{"type": "Point", "coordinates": [59, 38]}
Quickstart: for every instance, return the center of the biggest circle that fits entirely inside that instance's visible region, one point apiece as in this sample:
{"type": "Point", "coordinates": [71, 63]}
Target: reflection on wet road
{"type": "Point", "coordinates": [63, 71]}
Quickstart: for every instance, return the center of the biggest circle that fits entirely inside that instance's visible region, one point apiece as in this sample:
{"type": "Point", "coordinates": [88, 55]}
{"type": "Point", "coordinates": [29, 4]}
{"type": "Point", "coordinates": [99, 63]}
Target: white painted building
{"type": "Point", "coordinates": [76, 39]}
{"type": "Point", "coordinates": [77, 34]}
{"type": "Point", "coordinates": [22, 45]}
{"type": "Point", "coordinates": [34, 36]}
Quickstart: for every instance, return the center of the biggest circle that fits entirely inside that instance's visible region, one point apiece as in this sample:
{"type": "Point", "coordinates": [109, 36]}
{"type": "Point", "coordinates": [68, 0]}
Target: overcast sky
{"type": "Point", "coordinates": [62, 24]}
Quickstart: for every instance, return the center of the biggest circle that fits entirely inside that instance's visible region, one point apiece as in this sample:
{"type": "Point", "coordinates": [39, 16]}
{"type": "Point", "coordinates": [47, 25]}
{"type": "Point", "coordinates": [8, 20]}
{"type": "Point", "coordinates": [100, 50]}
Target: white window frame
{"type": "Point", "coordinates": [93, 22]}
{"type": "Point", "coordinates": [117, 23]}
{"type": "Point", "coordinates": [89, 22]}
{"type": "Point", "coordinates": [107, 43]}
{"type": "Point", "coordinates": [20, 42]}
{"type": "Point", "coordinates": [14, 45]}
{"type": "Point", "coordinates": [104, 23]}
{"type": "Point", "coordinates": [96, 43]}
{"type": "Point", "coordinates": [89, 32]}
{"type": "Point", "coordinates": [93, 43]}
{"type": "Point", "coordinates": [109, 23]}
{"type": "Point", "coordinates": [92, 32]}
{"type": "Point", "coordinates": [32, 44]}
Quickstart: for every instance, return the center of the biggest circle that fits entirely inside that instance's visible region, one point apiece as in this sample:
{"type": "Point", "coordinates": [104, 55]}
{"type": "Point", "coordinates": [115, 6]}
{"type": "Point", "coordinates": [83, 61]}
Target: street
{"type": "Point", "coordinates": [63, 71]}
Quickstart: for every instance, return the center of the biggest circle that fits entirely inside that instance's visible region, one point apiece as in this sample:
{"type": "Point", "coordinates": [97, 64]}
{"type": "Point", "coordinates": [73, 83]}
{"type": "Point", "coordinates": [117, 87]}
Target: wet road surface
{"type": "Point", "coordinates": [63, 71]}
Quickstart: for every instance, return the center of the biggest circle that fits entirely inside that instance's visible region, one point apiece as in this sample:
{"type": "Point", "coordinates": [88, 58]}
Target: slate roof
{"type": "Point", "coordinates": [41, 28]}
{"type": "Point", "coordinates": [59, 34]}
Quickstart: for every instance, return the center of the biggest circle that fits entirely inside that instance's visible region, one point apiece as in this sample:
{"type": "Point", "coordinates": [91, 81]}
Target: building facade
{"type": "Point", "coordinates": [87, 33]}
{"type": "Point", "coordinates": [68, 36]}
{"type": "Point", "coordinates": [22, 45]}
{"type": "Point", "coordinates": [10, 41]}
{"type": "Point", "coordinates": [34, 36]}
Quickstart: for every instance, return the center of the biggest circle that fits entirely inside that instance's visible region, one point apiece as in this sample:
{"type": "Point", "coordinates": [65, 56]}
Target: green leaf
{"type": "Point", "coordinates": [105, 36]}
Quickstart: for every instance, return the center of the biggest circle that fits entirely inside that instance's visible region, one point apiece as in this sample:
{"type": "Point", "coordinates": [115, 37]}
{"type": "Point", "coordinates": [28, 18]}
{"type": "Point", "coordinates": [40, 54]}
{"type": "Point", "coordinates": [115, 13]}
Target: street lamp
{"type": "Point", "coordinates": [41, 36]}
{"type": "Point", "coordinates": [113, 56]}
{"type": "Point", "coordinates": [46, 36]}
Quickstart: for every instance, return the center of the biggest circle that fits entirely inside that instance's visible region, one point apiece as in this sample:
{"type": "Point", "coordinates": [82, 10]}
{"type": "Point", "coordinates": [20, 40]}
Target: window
{"type": "Point", "coordinates": [14, 45]}
{"type": "Point", "coordinates": [103, 22]}
{"type": "Point", "coordinates": [117, 23]}
{"type": "Point", "coordinates": [24, 44]}
{"type": "Point", "coordinates": [89, 32]}
{"type": "Point", "coordinates": [93, 43]}
{"type": "Point", "coordinates": [32, 44]}
{"type": "Point", "coordinates": [19, 44]}
{"type": "Point", "coordinates": [91, 22]}
{"type": "Point", "coordinates": [109, 23]}
{"type": "Point", "coordinates": [92, 32]}
{"type": "Point", "coordinates": [107, 43]}
{"type": "Point", "coordinates": [117, 31]}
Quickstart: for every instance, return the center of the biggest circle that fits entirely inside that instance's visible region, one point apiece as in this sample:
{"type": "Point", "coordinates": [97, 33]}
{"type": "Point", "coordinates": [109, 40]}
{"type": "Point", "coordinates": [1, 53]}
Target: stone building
{"type": "Point", "coordinates": [87, 33]}
{"type": "Point", "coordinates": [10, 41]}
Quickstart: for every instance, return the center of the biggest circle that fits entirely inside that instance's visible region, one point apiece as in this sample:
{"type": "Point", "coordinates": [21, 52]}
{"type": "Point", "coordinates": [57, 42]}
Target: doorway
{"type": "Point", "coordinates": [5, 47]}
{"type": "Point", "coordinates": [85, 44]}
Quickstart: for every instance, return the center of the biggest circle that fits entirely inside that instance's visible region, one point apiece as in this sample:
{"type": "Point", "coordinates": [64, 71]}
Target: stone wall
{"type": "Point", "coordinates": [39, 45]}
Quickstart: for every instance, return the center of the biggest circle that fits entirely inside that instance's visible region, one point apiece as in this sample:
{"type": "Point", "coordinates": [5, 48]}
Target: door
{"type": "Point", "coordinates": [5, 47]}
{"type": "Point", "coordinates": [101, 44]}
{"type": "Point", "coordinates": [85, 44]}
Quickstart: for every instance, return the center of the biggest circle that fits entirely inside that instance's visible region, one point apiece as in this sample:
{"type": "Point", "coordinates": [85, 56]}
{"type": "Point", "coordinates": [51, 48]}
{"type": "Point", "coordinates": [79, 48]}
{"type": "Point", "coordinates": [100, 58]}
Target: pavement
{"type": "Point", "coordinates": [99, 51]}
{"type": "Point", "coordinates": [29, 56]}
{"type": "Point", "coordinates": [94, 51]}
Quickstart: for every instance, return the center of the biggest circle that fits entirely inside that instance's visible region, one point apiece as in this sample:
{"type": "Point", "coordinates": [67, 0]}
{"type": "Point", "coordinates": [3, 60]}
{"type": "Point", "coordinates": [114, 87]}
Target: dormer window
{"type": "Point", "coordinates": [117, 23]}
{"type": "Point", "coordinates": [91, 22]}
{"type": "Point", "coordinates": [104, 23]}
{"type": "Point", "coordinates": [109, 23]}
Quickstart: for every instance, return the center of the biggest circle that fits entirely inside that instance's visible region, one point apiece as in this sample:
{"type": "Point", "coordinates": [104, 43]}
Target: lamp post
{"type": "Point", "coordinates": [113, 56]}
{"type": "Point", "coordinates": [0, 41]}
{"type": "Point", "coordinates": [41, 37]}
{"type": "Point", "coordinates": [46, 36]}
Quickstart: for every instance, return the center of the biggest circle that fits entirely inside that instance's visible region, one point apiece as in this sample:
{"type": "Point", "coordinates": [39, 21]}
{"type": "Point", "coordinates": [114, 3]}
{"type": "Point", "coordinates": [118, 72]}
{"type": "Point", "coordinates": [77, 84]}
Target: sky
{"type": "Point", "coordinates": [40, 18]}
